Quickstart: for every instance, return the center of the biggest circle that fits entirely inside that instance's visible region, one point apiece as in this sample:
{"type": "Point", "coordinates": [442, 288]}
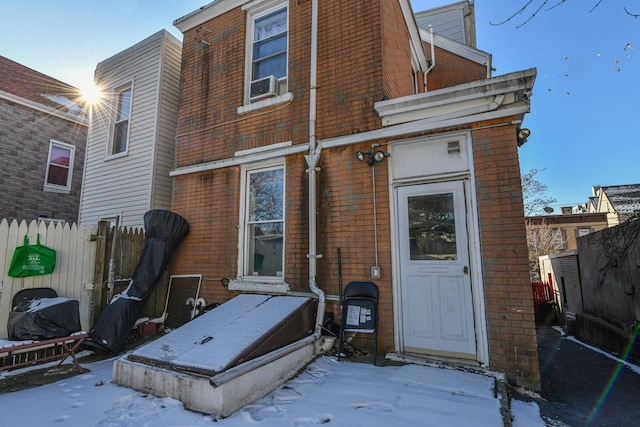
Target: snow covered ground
{"type": "Point", "coordinates": [328, 391]}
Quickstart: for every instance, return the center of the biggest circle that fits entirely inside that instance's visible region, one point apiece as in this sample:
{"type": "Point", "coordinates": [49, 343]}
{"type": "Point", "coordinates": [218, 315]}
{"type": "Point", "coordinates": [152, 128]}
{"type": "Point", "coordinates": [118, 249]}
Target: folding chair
{"type": "Point", "coordinates": [360, 313]}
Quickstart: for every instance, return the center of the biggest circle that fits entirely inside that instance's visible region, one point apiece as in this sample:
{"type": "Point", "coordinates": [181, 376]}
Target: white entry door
{"type": "Point", "coordinates": [435, 284]}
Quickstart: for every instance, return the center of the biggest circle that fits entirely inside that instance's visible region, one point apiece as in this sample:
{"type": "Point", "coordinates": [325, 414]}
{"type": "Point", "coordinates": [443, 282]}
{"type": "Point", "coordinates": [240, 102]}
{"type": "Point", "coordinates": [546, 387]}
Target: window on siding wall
{"type": "Point", "coordinates": [120, 130]}
{"type": "Point", "coordinates": [264, 223]}
{"type": "Point", "coordinates": [267, 51]}
{"type": "Point", "coordinates": [583, 231]}
{"type": "Point", "coordinates": [59, 166]}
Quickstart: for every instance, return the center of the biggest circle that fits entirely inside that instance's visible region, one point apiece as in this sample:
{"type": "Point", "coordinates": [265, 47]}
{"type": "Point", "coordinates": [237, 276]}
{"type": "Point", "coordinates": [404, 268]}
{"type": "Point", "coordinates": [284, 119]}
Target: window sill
{"type": "Point", "coordinates": [115, 156]}
{"type": "Point", "coordinates": [265, 103]}
{"type": "Point", "coordinates": [51, 189]}
{"type": "Point", "coordinates": [275, 287]}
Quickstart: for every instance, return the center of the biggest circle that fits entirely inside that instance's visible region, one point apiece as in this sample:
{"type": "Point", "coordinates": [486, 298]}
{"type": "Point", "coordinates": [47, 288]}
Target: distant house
{"type": "Point", "coordinates": [130, 148]}
{"type": "Point", "coordinates": [567, 228]}
{"type": "Point", "coordinates": [620, 202]}
{"type": "Point", "coordinates": [43, 132]}
{"type": "Point", "coordinates": [370, 137]}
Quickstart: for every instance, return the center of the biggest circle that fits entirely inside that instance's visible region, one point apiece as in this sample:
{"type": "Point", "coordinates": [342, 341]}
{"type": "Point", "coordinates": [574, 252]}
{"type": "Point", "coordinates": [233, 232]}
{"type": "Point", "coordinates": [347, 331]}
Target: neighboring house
{"type": "Point", "coordinates": [567, 228]}
{"type": "Point", "coordinates": [309, 129]}
{"type": "Point", "coordinates": [43, 132]}
{"type": "Point", "coordinates": [620, 202]}
{"type": "Point", "coordinates": [130, 149]}
{"type": "Point", "coordinates": [561, 271]}
{"type": "Point", "coordinates": [453, 21]}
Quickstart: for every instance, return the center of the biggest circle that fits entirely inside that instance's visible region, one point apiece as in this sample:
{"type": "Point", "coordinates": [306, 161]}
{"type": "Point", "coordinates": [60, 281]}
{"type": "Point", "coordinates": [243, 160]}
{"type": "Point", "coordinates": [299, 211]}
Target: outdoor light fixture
{"type": "Point", "coordinates": [522, 135]}
{"type": "Point", "coordinates": [371, 156]}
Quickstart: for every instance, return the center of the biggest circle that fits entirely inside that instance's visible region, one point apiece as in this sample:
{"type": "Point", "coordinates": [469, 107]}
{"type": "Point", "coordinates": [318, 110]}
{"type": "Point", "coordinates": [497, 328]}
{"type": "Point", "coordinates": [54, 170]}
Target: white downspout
{"type": "Point", "coordinates": [312, 161]}
{"type": "Point", "coordinates": [433, 58]}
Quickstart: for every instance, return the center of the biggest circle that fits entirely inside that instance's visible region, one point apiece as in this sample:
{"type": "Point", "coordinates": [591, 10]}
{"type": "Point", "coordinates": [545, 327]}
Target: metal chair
{"type": "Point", "coordinates": [359, 313]}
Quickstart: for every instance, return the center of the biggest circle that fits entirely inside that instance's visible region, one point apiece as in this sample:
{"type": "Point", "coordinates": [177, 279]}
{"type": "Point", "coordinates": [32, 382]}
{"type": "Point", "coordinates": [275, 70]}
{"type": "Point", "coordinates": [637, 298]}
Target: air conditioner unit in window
{"type": "Point", "coordinates": [263, 88]}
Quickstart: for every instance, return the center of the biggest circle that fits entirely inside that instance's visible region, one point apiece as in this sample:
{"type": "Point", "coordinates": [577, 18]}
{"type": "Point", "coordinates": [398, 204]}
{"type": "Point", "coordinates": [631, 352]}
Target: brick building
{"type": "Point", "coordinates": [43, 132]}
{"type": "Point", "coordinates": [308, 129]}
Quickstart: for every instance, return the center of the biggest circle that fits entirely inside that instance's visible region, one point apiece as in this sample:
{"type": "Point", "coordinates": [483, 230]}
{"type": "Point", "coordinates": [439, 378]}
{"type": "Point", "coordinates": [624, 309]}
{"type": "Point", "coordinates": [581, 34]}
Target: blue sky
{"type": "Point", "coordinates": [585, 101]}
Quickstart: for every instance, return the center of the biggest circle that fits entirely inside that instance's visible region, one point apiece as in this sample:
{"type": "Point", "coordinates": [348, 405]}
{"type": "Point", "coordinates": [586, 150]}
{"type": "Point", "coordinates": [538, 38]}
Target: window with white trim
{"type": "Point", "coordinates": [121, 121]}
{"type": "Point", "coordinates": [59, 166]}
{"type": "Point", "coordinates": [267, 51]}
{"type": "Point", "coordinates": [264, 223]}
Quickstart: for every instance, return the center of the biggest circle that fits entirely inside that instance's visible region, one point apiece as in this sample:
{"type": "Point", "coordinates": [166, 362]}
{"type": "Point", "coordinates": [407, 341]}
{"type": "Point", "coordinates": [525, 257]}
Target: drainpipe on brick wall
{"type": "Point", "coordinates": [433, 58]}
{"type": "Point", "coordinates": [312, 161]}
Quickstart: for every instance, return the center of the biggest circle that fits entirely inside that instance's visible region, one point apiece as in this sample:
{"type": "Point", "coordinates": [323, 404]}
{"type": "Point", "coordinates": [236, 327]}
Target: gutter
{"type": "Point", "coordinates": [312, 161]}
{"type": "Point", "coordinates": [79, 120]}
{"type": "Point", "coordinates": [432, 64]}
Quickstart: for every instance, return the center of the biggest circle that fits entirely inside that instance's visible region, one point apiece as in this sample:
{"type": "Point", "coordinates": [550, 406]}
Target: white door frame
{"type": "Point", "coordinates": [435, 168]}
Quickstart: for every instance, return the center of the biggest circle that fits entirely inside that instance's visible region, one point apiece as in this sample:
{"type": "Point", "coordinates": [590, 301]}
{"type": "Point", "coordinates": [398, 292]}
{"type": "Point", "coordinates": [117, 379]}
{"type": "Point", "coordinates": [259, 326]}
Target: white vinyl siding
{"type": "Point", "coordinates": [453, 21]}
{"type": "Point", "coordinates": [131, 185]}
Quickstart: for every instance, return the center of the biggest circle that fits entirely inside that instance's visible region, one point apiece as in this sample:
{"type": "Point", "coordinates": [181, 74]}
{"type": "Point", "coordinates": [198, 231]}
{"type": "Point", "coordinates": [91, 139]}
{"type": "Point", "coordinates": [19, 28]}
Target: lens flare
{"type": "Point", "coordinates": [614, 375]}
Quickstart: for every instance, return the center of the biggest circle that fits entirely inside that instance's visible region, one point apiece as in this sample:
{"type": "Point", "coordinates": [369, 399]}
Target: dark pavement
{"type": "Point", "coordinates": [581, 387]}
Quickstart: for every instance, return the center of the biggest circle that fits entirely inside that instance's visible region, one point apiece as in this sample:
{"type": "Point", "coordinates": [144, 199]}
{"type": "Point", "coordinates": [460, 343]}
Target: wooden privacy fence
{"type": "Point", "coordinates": [542, 295]}
{"type": "Point", "coordinates": [83, 256]}
{"type": "Point", "coordinates": [73, 274]}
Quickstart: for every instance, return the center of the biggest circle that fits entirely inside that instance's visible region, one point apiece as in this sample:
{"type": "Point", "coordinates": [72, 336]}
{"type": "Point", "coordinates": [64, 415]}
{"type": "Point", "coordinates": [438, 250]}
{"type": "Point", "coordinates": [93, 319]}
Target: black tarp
{"type": "Point", "coordinates": [44, 318]}
{"type": "Point", "coordinates": [164, 232]}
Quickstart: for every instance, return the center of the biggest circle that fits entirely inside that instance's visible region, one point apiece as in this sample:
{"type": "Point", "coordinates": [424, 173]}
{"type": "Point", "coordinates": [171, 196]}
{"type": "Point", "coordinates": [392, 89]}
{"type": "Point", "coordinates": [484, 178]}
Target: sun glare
{"type": "Point", "coordinates": [91, 93]}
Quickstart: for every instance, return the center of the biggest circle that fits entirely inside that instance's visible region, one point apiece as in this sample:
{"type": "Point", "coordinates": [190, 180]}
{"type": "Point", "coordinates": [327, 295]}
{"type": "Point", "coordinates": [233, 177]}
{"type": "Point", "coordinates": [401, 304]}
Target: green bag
{"type": "Point", "coordinates": [32, 260]}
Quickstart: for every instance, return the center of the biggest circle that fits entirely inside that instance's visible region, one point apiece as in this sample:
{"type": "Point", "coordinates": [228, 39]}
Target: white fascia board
{"type": "Point", "coordinates": [401, 130]}
{"type": "Point", "coordinates": [43, 108]}
{"type": "Point", "coordinates": [206, 13]}
{"type": "Point", "coordinates": [414, 33]}
{"type": "Point", "coordinates": [424, 125]}
{"type": "Point", "coordinates": [515, 87]}
{"type": "Point", "coordinates": [240, 160]}
{"type": "Point", "coordinates": [460, 49]}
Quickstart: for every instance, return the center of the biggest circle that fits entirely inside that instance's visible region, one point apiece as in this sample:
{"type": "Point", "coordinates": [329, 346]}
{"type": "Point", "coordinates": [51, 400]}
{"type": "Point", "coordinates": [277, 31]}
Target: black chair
{"type": "Point", "coordinates": [359, 313]}
{"type": "Point", "coordinates": [29, 294]}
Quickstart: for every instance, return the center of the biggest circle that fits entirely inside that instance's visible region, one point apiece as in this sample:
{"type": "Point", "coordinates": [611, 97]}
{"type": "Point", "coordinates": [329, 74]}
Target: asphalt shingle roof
{"type": "Point", "coordinates": [34, 86]}
{"type": "Point", "coordinates": [625, 198]}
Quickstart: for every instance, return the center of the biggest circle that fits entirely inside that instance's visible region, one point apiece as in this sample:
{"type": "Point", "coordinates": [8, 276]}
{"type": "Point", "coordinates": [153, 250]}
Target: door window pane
{"type": "Point", "coordinates": [432, 227]}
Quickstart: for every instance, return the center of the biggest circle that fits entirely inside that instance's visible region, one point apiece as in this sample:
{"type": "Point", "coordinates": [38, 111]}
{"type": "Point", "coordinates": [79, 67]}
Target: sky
{"type": "Point", "coordinates": [586, 52]}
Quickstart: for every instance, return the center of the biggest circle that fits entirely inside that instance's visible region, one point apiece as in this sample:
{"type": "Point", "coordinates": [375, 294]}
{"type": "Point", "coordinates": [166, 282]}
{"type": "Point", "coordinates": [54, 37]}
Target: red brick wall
{"type": "Point", "coordinates": [451, 69]}
{"type": "Point", "coordinates": [209, 202]}
{"type": "Point", "coordinates": [349, 67]}
{"type": "Point", "coordinates": [508, 298]}
{"type": "Point", "coordinates": [396, 51]}
{"type": "Point", "coordinates": [353, 73]}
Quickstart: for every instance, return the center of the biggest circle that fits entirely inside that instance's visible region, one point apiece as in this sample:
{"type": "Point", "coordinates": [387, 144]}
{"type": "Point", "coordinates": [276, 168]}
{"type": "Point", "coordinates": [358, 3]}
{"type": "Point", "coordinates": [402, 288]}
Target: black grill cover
{"type": "Point", "coordinates": [44, 318]}
{"type": "Point", "coordinates": [164, 232]}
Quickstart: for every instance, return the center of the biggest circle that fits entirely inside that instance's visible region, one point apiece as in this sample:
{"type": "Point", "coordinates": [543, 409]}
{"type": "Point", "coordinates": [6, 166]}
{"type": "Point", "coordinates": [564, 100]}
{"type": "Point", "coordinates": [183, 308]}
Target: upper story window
{"type": "Point", "coordinates": [59, 167]}
{"type": "Point", "coordinates": [270, 46]}
{"type": "Point", "coordinates": [122, 115]}
{"type": "Point", "coordinates": [267, 51]}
